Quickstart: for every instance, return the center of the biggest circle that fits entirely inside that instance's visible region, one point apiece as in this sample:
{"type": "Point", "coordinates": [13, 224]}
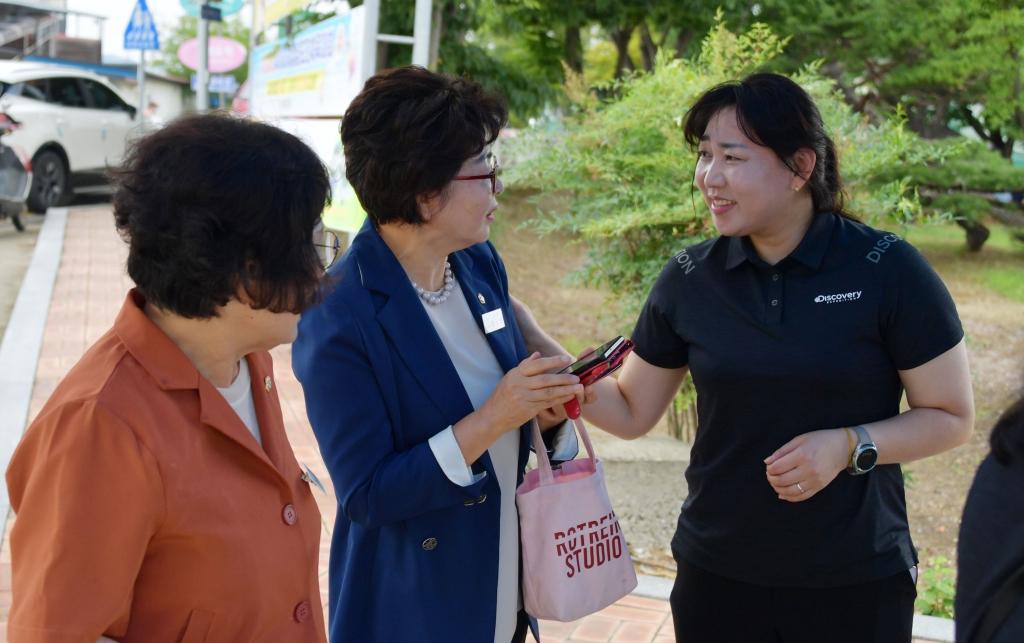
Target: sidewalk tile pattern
{"type": "Point", "coordinates": [91, 286]}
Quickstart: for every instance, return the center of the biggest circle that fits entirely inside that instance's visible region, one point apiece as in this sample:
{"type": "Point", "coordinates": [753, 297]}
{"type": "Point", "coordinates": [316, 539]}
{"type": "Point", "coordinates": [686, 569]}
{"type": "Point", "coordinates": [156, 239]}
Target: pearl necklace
{"type": "Point", "coordinates": [439, 297]}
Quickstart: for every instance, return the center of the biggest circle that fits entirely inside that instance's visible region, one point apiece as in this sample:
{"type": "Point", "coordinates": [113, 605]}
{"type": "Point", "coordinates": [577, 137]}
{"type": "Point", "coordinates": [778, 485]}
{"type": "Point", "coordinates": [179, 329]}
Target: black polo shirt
{"type": "Point", "coordinates": [813, 342]}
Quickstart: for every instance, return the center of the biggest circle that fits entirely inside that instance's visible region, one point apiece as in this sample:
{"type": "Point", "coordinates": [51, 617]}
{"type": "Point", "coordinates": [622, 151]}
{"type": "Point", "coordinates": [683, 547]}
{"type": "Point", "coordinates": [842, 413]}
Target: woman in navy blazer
{"type": "Point", "coordinates": [418, 394]}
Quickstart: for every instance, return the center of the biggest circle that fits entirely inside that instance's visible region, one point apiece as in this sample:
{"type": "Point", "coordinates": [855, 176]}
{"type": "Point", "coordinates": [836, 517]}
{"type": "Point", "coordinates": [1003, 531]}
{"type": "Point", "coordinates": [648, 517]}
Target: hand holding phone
{"type": "Point", "coordinates": [596, 365]}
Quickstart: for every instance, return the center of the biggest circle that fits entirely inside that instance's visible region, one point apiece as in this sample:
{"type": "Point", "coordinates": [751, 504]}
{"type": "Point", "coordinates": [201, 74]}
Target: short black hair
{"type": "Point", "coordinates": [775, 112]}
{"type": "Point", "coordinates": [215, 205]}
{"type": "Point", "coordinates": [408, 132]}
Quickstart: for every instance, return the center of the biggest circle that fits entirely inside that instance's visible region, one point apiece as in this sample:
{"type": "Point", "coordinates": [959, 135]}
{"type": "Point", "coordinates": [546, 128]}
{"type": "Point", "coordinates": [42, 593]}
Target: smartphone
{"type": "Point", "coordinates": [592, 359]}
{"type": "Point", "coordinates": [596, 365]}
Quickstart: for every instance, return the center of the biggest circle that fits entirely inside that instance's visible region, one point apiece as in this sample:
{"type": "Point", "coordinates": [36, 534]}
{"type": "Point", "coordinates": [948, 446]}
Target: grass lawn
{"type": "Point", "coordinates": [1008, 282]}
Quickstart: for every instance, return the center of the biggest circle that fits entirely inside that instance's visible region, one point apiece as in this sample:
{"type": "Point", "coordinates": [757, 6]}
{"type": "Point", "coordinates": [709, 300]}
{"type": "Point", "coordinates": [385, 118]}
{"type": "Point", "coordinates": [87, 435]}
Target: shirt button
{"type": "Point", "coordinates": [303, 612]}
{"type": "Point", "coordinates": [289, 514]}
{"type": "Point", "coordinates": [482, 497]}
{"type": "Point", "coordinates": [775, 302]}
{"type": "Point", "coordinates": [775, 277]}
{"type": "Point", "coordinates": [429, 543]}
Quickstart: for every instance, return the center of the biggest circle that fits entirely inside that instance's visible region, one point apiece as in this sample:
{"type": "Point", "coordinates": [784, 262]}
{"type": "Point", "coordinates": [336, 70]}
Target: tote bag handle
{"type": "Point", "coordinates": [543, 463]}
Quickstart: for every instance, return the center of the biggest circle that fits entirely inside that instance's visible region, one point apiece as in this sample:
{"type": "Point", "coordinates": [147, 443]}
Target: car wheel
{"type": "Point", "coordinates": [50, 186]}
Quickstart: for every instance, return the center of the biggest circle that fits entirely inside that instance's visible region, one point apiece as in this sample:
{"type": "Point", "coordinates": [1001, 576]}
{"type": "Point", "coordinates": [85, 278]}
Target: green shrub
{"type": "Point", "coordinates": [936, 589]}
{"type": "Point", "coordinates": [966, 166]}
{"type": "Point", "coordinates": [961, 205]}
{"type": "Point", "coordinates": [626, 174]}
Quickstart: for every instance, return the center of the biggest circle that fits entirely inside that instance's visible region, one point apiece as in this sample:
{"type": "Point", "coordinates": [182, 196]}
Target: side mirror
{"type": "Point", "coordinates": [131, 111]}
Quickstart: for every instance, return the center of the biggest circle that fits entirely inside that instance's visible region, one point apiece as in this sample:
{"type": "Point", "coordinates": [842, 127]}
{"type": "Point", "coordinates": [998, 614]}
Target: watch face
{"type": "Point", "coordinates": [866, 459]}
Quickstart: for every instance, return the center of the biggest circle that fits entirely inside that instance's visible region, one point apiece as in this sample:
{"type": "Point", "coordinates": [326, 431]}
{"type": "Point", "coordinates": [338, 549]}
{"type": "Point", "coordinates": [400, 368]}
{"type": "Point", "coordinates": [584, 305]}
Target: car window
{"type": "Point", "coordinates": [67, 92]}
{"type": "Point", "coordinates": [34, 89]}
{"type": "Point", "coordinates": [102, 97]}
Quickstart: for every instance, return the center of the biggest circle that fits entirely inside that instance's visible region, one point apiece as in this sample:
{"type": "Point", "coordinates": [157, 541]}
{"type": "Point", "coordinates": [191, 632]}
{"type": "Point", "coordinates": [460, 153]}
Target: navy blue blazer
{"type": "Point", "coordinates": [414, 557]}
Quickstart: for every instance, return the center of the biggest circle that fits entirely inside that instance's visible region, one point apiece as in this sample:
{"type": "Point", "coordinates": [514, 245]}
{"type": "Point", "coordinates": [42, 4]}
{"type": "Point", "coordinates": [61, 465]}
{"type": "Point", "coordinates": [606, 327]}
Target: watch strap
{"type": "Point", "coordinates": [862, 433]}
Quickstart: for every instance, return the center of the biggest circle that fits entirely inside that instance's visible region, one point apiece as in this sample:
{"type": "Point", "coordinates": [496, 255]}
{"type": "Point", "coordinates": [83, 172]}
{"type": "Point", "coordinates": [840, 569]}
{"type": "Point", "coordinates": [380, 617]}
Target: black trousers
{"type": "Point", "coordinates": [708, 608]}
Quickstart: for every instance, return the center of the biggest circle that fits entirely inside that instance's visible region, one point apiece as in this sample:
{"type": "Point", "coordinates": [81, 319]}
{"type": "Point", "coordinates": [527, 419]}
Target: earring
{"type": "Point", "coordinates": [796, 189]}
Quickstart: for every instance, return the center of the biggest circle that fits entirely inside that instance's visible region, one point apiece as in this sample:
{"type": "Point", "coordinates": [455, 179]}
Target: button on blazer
{"type": "Point", "coordinates": [147, 511]}
{"type": "Point", "coordinates": [414, 557]}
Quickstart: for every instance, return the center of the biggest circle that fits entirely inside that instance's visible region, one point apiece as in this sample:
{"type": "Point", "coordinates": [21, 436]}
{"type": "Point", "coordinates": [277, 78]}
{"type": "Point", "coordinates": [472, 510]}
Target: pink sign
{"type": "Point", "coordinates": [225, 54]}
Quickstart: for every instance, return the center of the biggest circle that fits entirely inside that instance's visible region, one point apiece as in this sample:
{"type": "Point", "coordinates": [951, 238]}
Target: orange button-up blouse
{"type": "Point", "coordinates": [147, 511]}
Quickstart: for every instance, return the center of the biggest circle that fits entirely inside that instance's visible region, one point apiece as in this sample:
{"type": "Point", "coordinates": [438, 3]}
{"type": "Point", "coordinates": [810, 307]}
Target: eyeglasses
{"type": "Point", "coordinates": [493, 176]}
{"type": "Point", "coordinates": [328, 248]}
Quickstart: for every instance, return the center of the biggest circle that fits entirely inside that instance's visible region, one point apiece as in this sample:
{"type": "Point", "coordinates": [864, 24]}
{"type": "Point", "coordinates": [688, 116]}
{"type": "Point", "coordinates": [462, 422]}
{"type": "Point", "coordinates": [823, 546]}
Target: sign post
{"type": "Point", "coordinates": [141, 34]}
{"type": "Point", "coordinates": [203, 91]}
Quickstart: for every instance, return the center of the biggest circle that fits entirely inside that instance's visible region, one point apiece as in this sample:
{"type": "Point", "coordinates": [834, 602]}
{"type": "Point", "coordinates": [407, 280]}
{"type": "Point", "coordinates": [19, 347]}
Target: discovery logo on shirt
{"type": "Point", "coordinates": [835, 299]}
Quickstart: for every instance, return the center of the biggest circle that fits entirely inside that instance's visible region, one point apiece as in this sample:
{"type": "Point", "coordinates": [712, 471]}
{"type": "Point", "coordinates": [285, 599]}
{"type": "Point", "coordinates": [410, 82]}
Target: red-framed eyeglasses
{"type": "Point", "coordinates": [493, 176]}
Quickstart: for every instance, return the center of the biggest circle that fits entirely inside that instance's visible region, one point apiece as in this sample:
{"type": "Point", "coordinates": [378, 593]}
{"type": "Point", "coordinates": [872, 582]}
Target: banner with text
{"type": "Point", "coordinates": [315, 74]}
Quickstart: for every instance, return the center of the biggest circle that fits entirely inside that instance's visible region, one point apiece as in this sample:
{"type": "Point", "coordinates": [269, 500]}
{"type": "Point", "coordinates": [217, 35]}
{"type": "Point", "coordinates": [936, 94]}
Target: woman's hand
{"type": "Point", "coordinates": [524, 392]}
{"type": "Point", "coordinates": [554, 416]}
{"type": "Point", "coordinates": [527, 389]}
{"type": "Point", "coordinates": [808, 463]}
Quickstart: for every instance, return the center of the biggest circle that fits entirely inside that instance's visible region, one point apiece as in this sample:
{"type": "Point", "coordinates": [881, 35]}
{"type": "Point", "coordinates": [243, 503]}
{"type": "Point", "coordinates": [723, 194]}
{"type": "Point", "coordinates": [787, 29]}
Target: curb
{"type": "Point", "coordinates": [926, 628]}
{"type": "Point", "coordinates": [933, 628]}
{"type": "Point", "coordinates": [23, 339]}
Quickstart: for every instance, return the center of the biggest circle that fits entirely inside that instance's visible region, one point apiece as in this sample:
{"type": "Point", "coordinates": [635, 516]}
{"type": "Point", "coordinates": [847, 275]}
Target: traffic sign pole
{"type": "Point", "coordinates": [141, 34]}
{"type": "Point", "coordinates": [203, 91]}
{"type": "Point", "coordinates": [142, 87]}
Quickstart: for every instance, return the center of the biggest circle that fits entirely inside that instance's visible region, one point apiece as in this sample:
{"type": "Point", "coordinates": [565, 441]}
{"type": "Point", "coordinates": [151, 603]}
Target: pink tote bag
{"type": "Point", "coordinates": [575, 559]}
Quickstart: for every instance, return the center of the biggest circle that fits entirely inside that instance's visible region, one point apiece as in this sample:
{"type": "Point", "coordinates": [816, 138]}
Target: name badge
{"type": "Point", "coordinates": [310, 477]}
{"type": "Point", "coordinates": [493, 321]}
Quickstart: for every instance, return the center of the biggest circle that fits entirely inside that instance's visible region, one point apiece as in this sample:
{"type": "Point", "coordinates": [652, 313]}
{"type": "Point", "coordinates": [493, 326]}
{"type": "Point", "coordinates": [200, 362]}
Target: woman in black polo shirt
{"type": "Point", "coordinates": [801, 328]}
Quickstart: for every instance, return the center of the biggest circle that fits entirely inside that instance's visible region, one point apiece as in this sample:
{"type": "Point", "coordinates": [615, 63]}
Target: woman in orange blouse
{"type": "Point", "coordinates": [157, 496]}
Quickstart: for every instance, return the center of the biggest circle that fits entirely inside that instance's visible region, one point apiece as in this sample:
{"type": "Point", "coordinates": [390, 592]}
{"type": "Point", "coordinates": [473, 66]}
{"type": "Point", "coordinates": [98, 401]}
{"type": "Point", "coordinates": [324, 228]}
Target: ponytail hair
{"type": "Point", "coordinates": [775, 112]}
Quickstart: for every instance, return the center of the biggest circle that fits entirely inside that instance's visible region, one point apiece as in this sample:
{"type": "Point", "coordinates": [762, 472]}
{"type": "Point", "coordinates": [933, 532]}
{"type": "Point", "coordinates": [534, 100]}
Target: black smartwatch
{"type": "Point", "coordinates": [865, 454]}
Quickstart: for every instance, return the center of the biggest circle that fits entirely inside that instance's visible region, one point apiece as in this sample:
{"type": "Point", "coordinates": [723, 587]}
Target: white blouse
{"type": "Point", "coordinates": [239, 396]}
{"type": "Point", "coordinates": [480, 374]}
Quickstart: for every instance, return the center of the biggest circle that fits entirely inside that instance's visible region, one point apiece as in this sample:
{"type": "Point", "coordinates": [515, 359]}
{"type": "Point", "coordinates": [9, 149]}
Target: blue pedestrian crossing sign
{"type": "Point", "coordinates": [141, 31]}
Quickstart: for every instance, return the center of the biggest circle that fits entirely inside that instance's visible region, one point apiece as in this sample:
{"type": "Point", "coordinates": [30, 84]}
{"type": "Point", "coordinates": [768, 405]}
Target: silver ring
{"type": "Point", "coordinates": [799, 487]}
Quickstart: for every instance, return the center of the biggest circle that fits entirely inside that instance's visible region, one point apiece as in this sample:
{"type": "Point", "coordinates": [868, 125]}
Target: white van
{"type": "Point", "coordinates": [74, 124]}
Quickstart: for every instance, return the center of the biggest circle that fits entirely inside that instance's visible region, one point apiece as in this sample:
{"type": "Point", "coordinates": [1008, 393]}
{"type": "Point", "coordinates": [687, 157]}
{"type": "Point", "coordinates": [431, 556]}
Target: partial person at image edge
{"type": "Point", "coordinates": [991, 545]}
{"type": "Point", "coordinates": [157, 495]}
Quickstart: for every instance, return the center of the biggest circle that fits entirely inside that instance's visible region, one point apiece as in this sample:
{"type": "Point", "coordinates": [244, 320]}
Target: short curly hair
{"type": "Point", "coordinates": [215, 205]}
{"type": "Point", "coordinates": [408, 132]}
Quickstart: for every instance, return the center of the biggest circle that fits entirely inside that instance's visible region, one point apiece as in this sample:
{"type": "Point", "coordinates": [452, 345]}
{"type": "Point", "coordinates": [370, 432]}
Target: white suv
{"type": "Point", "coordinates": [74, 123]}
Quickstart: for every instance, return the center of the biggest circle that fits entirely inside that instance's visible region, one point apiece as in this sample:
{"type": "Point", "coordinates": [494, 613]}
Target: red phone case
{"type": "Point", "coordinates": [600, 370]}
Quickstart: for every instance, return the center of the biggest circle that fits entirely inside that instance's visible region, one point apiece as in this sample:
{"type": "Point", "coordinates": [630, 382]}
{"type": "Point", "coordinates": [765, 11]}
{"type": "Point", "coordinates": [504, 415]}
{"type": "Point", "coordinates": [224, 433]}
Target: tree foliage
{"type": "Point", "coordinates": [460, 51]}
{"type": "Point", "coordinates": [624, 175]}
{"type": "Point", "coordinates": [951, 63]}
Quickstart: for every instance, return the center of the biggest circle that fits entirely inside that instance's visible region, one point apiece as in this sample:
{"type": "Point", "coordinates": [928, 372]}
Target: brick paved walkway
{"type": "Point", "coordinates": [91, 286]}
